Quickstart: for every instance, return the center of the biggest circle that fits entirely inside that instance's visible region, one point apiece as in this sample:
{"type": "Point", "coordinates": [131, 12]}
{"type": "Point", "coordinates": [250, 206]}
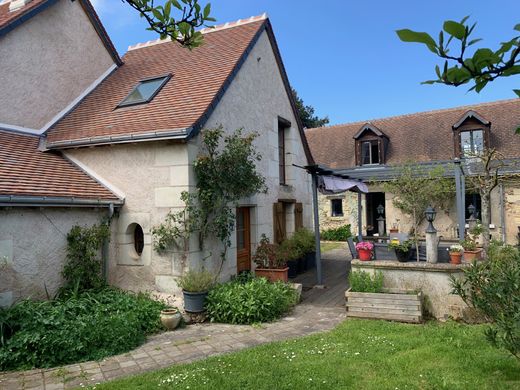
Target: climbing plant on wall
{"type": "Point", "coordinates": [226, 172]}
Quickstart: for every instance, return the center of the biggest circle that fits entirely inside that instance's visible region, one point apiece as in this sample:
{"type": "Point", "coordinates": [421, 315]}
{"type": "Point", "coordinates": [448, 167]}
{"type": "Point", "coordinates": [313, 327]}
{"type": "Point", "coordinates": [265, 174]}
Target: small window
{"type": "Point", "coordinates": [138, 239]}
{"type": "Point", "coordinates": [369, 152]}
{"type": "Point", "coordinates": [145, 91]}
{"type": "Point", "coordinates": [336, 207]}
{"type": "Point", "coordinates": [471, 142]}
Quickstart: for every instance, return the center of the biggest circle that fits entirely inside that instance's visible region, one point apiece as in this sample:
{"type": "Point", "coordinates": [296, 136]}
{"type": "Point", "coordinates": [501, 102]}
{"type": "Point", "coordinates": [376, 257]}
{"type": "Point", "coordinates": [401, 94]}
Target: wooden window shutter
{"type": "Point", "coordinates": [279, 222]}
{"type": "Point", "coordinates": [298, 216]}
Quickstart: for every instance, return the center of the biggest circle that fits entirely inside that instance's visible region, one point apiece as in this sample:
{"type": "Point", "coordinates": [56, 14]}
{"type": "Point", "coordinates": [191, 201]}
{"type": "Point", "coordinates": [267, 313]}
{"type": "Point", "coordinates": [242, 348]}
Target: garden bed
{"type": "Point", "coordinates": [396, 305]}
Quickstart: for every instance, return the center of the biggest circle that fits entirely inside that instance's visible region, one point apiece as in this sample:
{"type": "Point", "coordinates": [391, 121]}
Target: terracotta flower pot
{"type": "Point", "coordinates": [170, 318]}
{"type": "Point", "coordinates": [364, 254]}
{"type": "Point", "coordinates": [455, 257]}
{"type": "Point", "coordinates": [273, 274]}
{"type": "Point", "coordinates": [469, 256]}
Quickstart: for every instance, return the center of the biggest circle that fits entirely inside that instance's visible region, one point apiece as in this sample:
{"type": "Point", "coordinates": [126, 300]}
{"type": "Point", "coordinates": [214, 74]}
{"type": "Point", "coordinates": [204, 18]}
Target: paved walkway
{"type": "Point", "coordinates": [180, 346]}
{"type": "Point", "coordinates": [335, 266]}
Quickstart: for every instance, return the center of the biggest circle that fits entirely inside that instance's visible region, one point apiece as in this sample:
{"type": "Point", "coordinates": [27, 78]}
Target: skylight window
{"type": "Point", "coordinates": [145, 91]}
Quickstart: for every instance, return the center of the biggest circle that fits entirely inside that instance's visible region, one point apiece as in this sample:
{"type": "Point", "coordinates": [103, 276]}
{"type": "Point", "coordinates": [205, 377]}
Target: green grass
{"type": "Point", "coordinates": [356, 355]}
{"type": "Point", "coordinates": [328, 246]}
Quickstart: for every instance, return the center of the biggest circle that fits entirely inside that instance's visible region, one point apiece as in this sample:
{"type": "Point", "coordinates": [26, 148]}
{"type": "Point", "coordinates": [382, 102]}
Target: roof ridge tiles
{"type": "Point", "coordinates": [413, 114]}
{"type": "Point", "coordinates": [206, 30]}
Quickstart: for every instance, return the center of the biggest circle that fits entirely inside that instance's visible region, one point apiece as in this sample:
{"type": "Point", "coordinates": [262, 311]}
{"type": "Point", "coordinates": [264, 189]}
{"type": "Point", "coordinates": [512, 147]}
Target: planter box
{"type": "Point", "coordinates": [272, 274]}
{"type": "Point", "coordinates": [395, 305]}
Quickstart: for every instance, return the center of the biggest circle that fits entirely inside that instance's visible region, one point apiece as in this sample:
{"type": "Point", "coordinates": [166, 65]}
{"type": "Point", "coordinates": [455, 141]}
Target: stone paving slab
{"type": "Point", "coordinates": [192, 343]}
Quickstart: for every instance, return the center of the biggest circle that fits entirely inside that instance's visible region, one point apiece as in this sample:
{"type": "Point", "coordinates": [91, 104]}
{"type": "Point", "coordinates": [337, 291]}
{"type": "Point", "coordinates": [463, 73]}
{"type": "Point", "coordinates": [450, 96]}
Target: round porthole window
{"type": "Point", "coordinates": [138, 239]}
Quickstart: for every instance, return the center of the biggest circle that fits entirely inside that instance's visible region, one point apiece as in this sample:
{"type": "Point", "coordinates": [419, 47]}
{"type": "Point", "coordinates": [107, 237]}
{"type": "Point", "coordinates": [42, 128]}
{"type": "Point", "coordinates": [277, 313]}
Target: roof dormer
{"type": "Point", "coordinates": [371, 145]}
{"type": "Point", "coordinates": [471, 134]}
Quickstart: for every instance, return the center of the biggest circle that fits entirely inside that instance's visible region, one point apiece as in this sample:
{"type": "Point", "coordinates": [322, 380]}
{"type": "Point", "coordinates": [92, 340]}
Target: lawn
{"type": "Point", "coordinates": [358, 354]}
{"type": "Point", "coordinates": [328, 246]}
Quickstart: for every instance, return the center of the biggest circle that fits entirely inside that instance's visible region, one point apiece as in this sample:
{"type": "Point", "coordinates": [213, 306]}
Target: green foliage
{"type": "Point", "coordinates": [342, 233]}
{"type": "Point", "coordinates": [493, 288]}
{"type": "Point", "coordinates": [90, 326]}
{"type": "Point", "coordinates": [266, 255]}
{"type": "Point", "coordinates": [181, 27]}
{"type": "Point", "coordinates": [83, 268]}
{"type": "Point", "coordinates": [226, 172]}
{"type": "Point", "coordinates": [361, 281]}
{"type": "Point", "coordinates": [403, 246]}
{"type": "Point", "coordinates": [469, 245]}
{"type": "Point", "coordinates": [306, 113]}
{"type": "Point", "coordinates": [415, 188]}
{"type": "Point", "coordinates": [304, 239]}
{"type": "Point", "coordinates": [196, 281]}
{"type": "Point", "coordinates": [289, 250]}
{"type": "Point", "coordinates": [255, 300]}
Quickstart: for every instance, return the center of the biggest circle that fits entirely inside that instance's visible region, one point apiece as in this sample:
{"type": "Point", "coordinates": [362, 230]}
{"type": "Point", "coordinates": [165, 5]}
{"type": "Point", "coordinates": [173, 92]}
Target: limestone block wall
{"type": "Point", "coordinates": [512, 214]}
{"type": "Point", "coordinates": [33, 249]}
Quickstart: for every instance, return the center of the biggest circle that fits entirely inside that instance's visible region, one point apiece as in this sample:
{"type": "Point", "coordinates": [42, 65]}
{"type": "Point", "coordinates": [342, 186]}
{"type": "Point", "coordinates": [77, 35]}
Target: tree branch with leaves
{"type": "Point", "coordinates": [176, 19]}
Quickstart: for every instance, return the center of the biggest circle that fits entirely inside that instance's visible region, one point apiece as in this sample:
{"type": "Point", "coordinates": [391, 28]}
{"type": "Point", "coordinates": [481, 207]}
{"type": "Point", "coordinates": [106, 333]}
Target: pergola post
{"type": "Point", "coordinates": [360, 217]}
{"type": "Point", "coordinates": [319, 277]}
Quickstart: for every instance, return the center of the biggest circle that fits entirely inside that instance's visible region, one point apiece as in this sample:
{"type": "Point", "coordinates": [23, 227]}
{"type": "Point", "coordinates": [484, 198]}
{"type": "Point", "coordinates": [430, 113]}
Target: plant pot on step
{"type": "Point", "coordinates": [300, 265]}
{"type": "Point", "coordinates": [311, 260]}
{"type": "Point", "coordinates": [293, 268]}
{"type": "Point", "coordinates": [194, 301]}
{"type": "Point", "coordinates": [364, 254]}
{"type": "Point", "coordinates": [455, 257]}
{"type": "Point", "coordinates": [469, 256]}
{"type": "Point", "coordinates": [273, 274]}
{"type": "Point", "coordinates": [402, 256]}
{"type": "Point", "coordinates": [170, 318]}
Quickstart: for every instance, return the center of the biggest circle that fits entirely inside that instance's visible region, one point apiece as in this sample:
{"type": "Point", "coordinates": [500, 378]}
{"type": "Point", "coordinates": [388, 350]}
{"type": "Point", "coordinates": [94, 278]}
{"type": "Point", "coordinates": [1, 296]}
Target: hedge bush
{"type": "Point", "coordinates": [247, 300]}
{"type": "Point", "coordinates": [361, 281]}
{"type": "Point", "coordinates": [89, 326]}
{"type": "Point", "coordinates": [341, 233]}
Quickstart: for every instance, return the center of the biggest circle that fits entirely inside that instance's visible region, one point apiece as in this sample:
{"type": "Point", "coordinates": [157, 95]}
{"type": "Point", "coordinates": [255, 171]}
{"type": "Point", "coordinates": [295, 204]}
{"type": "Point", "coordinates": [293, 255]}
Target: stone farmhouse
{"type": "Point", "coordinates": [86, 134]}
{"type": "Point", "coordinates": [373, 150]}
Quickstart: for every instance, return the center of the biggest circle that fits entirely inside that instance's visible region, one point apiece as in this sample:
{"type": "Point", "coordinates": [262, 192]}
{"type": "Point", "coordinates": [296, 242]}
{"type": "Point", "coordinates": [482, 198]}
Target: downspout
{"type": "Point", "coordinates": [360, 217]}
{"type": "Point", "coordinates": [319, 277]}
{"type": "Point", "coordinates": [106, 245]}
{"type": "Point", "coordinates": [502, 211]}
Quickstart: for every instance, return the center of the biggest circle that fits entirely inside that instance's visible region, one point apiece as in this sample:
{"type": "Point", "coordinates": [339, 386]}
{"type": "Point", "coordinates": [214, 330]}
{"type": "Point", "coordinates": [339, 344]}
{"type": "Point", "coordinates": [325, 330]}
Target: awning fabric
{"type": "Point", "coordinates": [329, 185]}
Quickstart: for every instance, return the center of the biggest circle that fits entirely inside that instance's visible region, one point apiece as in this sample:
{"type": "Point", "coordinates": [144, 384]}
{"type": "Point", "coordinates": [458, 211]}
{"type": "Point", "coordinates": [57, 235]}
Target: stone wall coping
{"type": "Point", "coordinates": [410, 266]}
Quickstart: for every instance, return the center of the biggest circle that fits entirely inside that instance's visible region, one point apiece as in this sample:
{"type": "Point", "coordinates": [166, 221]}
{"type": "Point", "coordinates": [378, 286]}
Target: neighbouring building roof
{"type": "Point", "coordinates": [421, 137]}
{"type": "Point", "coordinates": [199, 79]}
{"type": "Point", "coordinates": [29, 176]}
{"type": "Point", "coordinates": [9, 20]}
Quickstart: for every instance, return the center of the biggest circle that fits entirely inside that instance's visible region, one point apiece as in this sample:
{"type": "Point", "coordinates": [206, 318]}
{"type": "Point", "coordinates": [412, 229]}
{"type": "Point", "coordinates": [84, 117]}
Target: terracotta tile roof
{"type": "Point", "coordinates": [424, 136]}
{"type": "Point", "coordinates": [199, 77]}
{"type": "Point", "coordinates": [26, 171]}
{"type": "Point", "coordinates": [7, 17]}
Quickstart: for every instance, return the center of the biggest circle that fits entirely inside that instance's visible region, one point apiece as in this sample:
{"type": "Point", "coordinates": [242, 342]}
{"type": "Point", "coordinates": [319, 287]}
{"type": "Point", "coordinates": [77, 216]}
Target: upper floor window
{"type": "Point", "coordinates": [371, 145]}
{"type": "Point", "coordinates": [144, 91]}
{"type": "Point", "coordinates": [471, 142]}
{"type": "Point", "coordinates": [336, 207]}
{"type": "Point", "coordinates": [283, 126]}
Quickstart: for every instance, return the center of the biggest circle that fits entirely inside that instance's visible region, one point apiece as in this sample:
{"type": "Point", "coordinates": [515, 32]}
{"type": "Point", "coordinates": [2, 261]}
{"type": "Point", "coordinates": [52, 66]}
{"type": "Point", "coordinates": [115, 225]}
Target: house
{"type": "Point", "coordinates": [129, 128]}
{"type": "Point", "coordinates": [373, 150]}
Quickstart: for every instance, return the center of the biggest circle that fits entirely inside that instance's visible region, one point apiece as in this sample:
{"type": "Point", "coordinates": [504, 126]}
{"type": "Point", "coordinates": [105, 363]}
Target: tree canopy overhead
{"type": "Point", "coordinates": [306, 113]}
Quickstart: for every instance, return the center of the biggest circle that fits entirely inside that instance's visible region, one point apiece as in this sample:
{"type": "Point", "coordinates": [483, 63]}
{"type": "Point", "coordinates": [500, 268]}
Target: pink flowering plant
{"type": "Point", "coordinates": [364, 245]}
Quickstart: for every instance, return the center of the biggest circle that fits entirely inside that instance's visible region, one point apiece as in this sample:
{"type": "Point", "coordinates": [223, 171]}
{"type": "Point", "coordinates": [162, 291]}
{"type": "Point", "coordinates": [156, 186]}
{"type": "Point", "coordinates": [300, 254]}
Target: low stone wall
{"type": "Point", "coordinates": [432, 279]}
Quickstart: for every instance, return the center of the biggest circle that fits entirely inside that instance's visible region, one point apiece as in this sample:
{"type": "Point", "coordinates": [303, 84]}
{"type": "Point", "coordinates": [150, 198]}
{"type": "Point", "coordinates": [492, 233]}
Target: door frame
{"type": "Point", "coordinates": [246, 251]}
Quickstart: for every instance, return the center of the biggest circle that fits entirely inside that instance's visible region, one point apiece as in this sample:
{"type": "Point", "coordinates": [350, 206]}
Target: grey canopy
{"type": "Point", "coordinates": [329, 185]}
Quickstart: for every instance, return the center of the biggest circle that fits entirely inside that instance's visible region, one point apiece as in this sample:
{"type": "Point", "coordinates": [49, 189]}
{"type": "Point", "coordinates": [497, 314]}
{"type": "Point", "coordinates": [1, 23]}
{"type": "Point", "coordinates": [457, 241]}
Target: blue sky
{"type": "Point", "coordinates": [344, 58]}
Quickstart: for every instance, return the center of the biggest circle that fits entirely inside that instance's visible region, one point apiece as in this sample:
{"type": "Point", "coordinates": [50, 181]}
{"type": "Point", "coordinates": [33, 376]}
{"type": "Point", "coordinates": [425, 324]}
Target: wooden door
{"type": "Point", "coordinates": [243, 239]}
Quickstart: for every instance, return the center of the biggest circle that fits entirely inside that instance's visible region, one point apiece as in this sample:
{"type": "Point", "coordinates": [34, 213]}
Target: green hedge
{"type": "Point", "coordinates": [341, 233]}
{"type": "Point", "coordinates": [90, 326]}
{"type": "Point", "coordinates": [249, 300]}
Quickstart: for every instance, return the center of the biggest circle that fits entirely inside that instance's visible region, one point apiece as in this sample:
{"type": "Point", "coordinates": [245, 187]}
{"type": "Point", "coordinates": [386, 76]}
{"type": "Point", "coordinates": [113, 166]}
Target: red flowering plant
{"type": "Point", "coordinates": [364, 245]}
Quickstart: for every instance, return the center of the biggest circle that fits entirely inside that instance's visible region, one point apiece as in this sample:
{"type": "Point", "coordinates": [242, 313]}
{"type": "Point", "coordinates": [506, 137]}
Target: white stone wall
{"type": "Point", "coordinates": [47, 62]}
{"type": "Point", "coordinates": [33, 248]}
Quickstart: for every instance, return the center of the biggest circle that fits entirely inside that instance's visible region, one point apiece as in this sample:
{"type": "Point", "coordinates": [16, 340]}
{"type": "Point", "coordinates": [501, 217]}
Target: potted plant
{"type": "Point", "coordinates": [171, 318]}
{"type": "Point", "coordinates": [195, 286]}
{"type": "Point", "coordinates": [305, 242]}
{"type": "Point", "coordinates": [456, 252]}
{"type": "Point", "coordinates": [288, 253]}
{"type": "Point", "coordinates": [471, 252]}
{"type": "Point", "coordinates": [402, 250]}
{"type": "Point", "coordinates": [364, 249]}
{"type": "Point", "coordinates": [268, 264]}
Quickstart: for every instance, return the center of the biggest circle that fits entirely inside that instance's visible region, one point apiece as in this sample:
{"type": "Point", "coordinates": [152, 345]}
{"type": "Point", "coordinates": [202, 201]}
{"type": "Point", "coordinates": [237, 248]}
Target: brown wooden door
{"type": "Point", "coordinates": [243, 239]}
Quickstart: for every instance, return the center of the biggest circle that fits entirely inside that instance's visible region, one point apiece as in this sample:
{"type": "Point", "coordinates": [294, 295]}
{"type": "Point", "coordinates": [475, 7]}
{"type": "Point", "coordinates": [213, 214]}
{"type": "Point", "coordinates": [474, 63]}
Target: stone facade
{"type": "Point", "coordinates": [33, 245]}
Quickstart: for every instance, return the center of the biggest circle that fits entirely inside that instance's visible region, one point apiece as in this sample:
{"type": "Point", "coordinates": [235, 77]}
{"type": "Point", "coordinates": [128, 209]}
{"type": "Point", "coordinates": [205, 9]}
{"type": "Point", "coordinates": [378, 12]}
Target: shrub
{"type": "Point", "coordinates": [341, 233]}
{"type": "Point", "coordinates": [493, 288]}
{"type": "Point", "coordinates": [89, 326]}
{"type": "Point", "coordinates": [288, 250]}
{"type": "Point", "coordinates": [266, 255]}
{"type": "Point", "coordinates": [196, 281]}
{"type": "Point", "coordinates": [361, 281]}
{"type": "Point", "coordinates": [255, 300]}
{"type": "Point", "coordinates": [304, 239]}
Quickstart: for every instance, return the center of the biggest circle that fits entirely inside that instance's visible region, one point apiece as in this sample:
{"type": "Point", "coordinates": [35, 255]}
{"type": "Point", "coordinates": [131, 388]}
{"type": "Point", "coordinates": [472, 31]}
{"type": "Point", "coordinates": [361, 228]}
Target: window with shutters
{"type": "Point", "coordinates": [279, 222]}
{"type": "Point", "coordinates": [371, 145]}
